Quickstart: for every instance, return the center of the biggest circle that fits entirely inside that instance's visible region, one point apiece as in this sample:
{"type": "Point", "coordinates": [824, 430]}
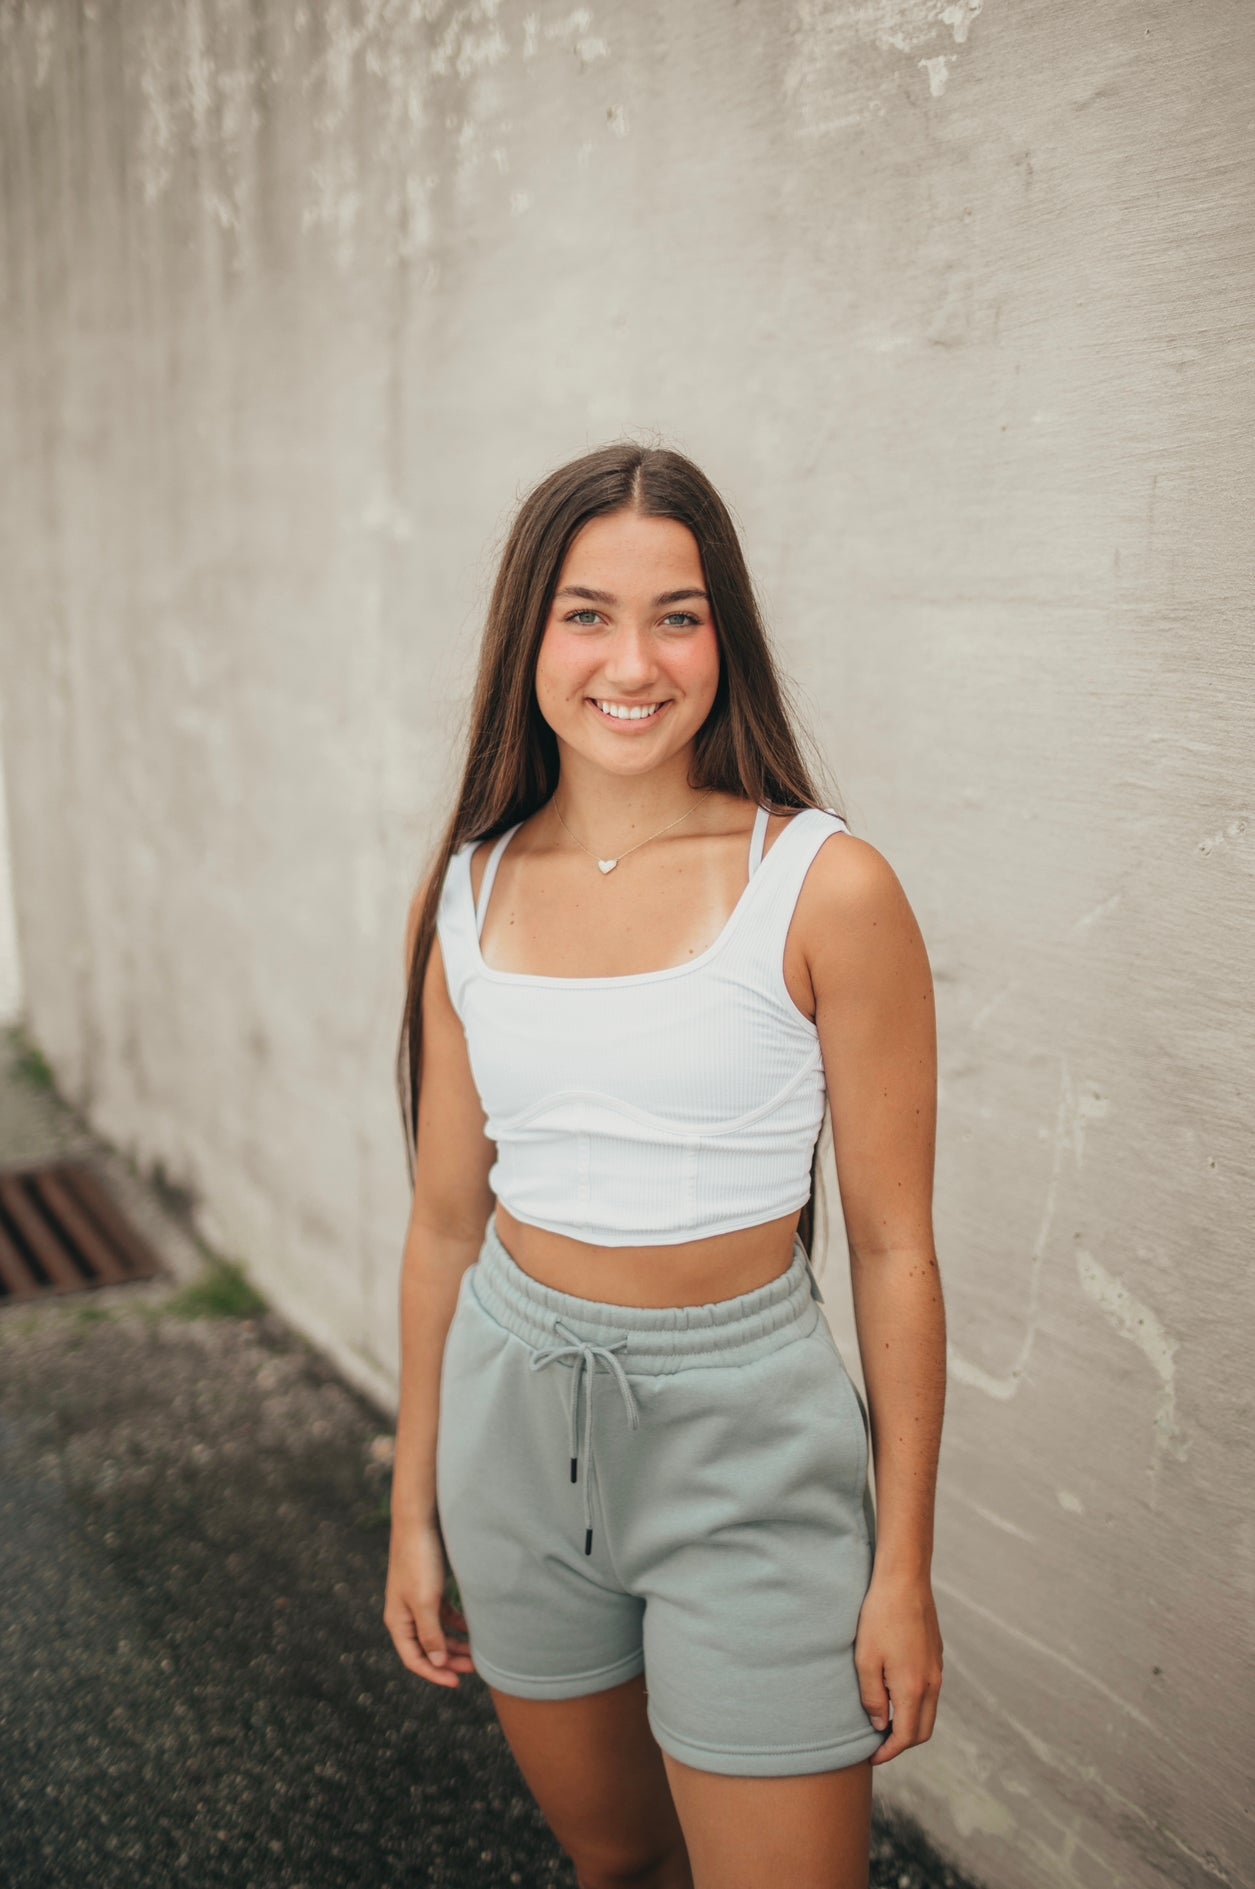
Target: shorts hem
{"type": "Point", "coordinates": [777, 1761]}
{"type": "Point", "coordinates": [560, 1685]}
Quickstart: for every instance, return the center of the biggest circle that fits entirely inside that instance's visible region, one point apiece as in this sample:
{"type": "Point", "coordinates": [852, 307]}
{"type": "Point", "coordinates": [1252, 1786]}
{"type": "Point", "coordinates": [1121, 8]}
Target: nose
{"type": "Point", "coordinates": [630, 665]}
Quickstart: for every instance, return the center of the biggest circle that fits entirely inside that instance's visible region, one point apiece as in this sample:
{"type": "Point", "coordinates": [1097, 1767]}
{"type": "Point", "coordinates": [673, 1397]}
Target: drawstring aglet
{"type": "Point", "coordinates": [588, 1541]}
{"type": "Point", "coordinates": [573, 1469]}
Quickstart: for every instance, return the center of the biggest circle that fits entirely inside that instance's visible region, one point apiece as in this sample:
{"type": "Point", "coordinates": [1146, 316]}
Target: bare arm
{"type": "Point", "coordinates": [875, 1014]}
{"type": "Point", "coordinates": [448, 1216]}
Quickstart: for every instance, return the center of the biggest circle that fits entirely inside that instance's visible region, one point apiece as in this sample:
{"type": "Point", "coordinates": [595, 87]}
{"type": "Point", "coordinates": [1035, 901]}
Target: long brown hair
{"type": "Point", "coordinates": [747, 745]}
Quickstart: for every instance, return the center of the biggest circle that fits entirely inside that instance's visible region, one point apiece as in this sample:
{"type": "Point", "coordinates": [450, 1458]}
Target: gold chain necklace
{"type": "Point", "coordinates": [608, 865]}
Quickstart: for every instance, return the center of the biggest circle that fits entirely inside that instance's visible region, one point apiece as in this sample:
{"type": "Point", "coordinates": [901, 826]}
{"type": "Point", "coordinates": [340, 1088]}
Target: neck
{"type": "Point", "coordinates": [616, 810]}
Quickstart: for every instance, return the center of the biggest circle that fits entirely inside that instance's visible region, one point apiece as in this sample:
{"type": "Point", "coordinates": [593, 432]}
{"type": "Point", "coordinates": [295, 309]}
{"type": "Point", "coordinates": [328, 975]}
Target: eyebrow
{"type": "Point", "coordinates": [604, 596]}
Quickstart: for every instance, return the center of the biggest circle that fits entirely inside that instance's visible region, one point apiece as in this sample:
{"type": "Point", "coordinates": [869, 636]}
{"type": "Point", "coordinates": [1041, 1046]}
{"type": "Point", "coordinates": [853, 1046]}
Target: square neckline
{"type": "Point", "coordinates": [624, 977]}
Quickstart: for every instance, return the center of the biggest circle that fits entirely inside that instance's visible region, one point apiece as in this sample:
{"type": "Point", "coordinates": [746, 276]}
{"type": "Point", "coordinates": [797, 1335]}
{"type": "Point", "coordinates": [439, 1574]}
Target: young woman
{"type": "Point", "coordinates": [645, 961]}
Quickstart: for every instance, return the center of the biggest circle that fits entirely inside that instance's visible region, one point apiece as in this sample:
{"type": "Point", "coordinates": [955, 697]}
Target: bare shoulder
{"type": "Point", "coordinates": [854, 911]}
{"type": "Point", "coordinates": [437, 1005]}
{"type": "Point", "coordinates": [413, 918]}
{"type": "Point", "coordinates": [434, 970]}
{"type": "Point", "coordinates": [850, 875]}
{"type": "Point", "coordinates": [414, 914]}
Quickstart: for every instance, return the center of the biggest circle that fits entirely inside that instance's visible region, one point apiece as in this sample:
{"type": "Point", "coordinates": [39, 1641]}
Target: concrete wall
{"type": "Point", "coordinates": [10, 960]}
{"type": "Point", "coordinates": [955, 304]}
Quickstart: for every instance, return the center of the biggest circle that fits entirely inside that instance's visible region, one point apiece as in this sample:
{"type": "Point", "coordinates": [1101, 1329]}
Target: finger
{"type": "Point", "coordinates": [416, 1649]}
{"type": "Point", "coordinates": [438, 1675]}
{"type": "Point", "coordinates": [415, 1660]}
{"type": "Point", "coordinates": [905, 1726]}
{"type": "Point", "coordinates": [451, 1655]}
{"type": "Point", "coordinates": [875, 1696]}
{"type": "Point", "coordinates": [461, 1657]}
{"type": "Point", "coordinates": [892, 1745]}
{"type": "Point", "coordinates": [457, 1651]}
{"type": "Point", "coordinates": [456, 1634]}
{"type": "Point", "coordinates": [431, 1634]}
{"type": "Point", "coordinates": [928, 1713]}
{"type": "Point", "coordinates": [455, 1663]}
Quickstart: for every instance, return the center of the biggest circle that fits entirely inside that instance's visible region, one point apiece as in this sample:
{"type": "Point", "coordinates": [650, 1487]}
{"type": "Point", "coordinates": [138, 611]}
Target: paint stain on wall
{"type": "Point", "coordinates": [1136, 1322]}
{"type": "Point", "coordinates": [430, 78]}
{"type": "Point", "coordinates": [1076, 1109]}
{"type": "Point", "coordinates": [849, 59]}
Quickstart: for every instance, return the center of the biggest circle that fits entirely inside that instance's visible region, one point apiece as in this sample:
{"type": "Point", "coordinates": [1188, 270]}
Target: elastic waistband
{"type": "Point", "coordinates": [659, 1339]}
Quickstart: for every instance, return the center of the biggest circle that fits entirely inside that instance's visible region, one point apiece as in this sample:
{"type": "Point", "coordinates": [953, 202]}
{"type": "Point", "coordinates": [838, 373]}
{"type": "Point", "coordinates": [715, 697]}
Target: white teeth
{"type": "Point", "coordinates": [628, 714]}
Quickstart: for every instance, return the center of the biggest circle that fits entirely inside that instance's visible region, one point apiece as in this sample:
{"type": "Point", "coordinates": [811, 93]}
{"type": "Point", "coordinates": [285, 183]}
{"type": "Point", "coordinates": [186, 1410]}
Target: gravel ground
{"type": "Point", "coordinates": [198, 1686]}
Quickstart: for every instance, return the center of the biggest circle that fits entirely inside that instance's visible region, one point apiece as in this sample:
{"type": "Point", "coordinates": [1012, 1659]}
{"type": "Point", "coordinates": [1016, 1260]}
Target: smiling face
{"type": "Point", "coordinates": [630, 629]}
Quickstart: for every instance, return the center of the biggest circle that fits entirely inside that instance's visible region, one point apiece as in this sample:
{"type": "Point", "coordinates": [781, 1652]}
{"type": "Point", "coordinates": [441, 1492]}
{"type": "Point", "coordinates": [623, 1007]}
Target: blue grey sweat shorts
{"type": "Point", "coordinates": [676, 1490]}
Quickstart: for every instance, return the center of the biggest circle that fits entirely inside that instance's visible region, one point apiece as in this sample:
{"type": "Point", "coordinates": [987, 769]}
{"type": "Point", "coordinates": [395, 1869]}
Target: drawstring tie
{"type": "Point", "coordinates": [588, 1354]}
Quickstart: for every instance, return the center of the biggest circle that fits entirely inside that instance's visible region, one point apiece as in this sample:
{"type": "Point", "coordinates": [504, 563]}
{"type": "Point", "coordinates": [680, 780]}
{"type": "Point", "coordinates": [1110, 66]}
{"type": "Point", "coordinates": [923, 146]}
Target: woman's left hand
{"type": "Point", "coordinates": [897, 1653]}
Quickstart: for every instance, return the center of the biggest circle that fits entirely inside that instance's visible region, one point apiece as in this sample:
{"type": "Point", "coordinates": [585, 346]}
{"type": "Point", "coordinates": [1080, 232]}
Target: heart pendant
{"type": "Point", "coordinates": [607, 865]}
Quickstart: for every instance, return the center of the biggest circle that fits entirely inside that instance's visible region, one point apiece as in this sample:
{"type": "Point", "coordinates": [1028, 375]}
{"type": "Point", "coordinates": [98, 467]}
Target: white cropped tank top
{"type": "Point", "coordinates": [657, 1106]}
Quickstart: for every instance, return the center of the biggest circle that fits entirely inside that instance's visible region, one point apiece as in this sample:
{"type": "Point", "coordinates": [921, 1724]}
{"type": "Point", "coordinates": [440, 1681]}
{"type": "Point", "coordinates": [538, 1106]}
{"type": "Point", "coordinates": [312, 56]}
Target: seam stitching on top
{"type": "Point", "coordinates": [666, 1130]}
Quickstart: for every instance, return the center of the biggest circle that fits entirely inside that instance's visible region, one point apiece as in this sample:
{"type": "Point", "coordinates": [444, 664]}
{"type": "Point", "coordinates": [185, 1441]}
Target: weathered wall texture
{"type": "Point", "coordinates": [11, 1006]}
{"type": "Point", "coordinates": [955, 303]}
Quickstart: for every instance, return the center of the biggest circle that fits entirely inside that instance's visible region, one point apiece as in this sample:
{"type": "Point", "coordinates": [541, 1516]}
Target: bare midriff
{"type": "Point", "coordinates": [685, 1272]}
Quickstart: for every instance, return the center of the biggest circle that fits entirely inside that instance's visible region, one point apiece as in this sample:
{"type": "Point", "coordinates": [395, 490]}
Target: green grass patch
{"type": "Point", "coordinates": [92, 1314]}
{"type": "Point", "coordinates": [13, 1325]}
{"type": "Point", "coordinates": [222, 1291]}
{"type": "Point", "coordinates": [30, 1065]}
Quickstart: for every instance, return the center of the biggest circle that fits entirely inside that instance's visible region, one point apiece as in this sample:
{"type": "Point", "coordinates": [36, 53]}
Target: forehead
{"type": "Point", "coordinates": [634, 549]}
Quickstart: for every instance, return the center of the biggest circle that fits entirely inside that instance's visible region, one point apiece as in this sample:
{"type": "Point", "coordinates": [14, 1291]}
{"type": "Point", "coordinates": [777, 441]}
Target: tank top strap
{"type": "Point", "coordinates": [490, 873]}
{"type": "Point", "coordinates": [455, 924]}
{"type": "Point", "coordinates": [762, 937]}
{"type": "Point", "coordinates": [756, 840]}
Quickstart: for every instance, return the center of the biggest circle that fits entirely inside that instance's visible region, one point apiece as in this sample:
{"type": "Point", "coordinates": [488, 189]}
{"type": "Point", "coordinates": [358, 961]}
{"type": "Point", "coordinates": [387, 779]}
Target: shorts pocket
{"type": "Point", "coordinates": [452, 1362]}
{"type": "Point", "coordinates": [841, 1393]}
{"type": "Point", "coordinates": [469, 1380]}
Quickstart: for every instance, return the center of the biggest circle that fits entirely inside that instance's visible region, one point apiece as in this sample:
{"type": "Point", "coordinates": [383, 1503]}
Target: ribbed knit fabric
{"type": "Point", "coordinates": [654, 1107]}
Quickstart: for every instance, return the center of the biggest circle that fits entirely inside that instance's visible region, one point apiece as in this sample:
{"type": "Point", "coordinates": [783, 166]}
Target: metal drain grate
{"type": "Point", "coordinates": [60, 1232]}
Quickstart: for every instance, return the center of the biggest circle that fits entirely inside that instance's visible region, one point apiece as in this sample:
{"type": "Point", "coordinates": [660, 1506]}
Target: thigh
{"type": "Point", "coordinates": [812, 1831]}
{"type": "Point", "coordinates": [597, 1774]}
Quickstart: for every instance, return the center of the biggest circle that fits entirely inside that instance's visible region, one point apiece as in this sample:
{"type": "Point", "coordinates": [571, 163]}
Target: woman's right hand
{"type": "Point", "coordinates": [417, 1611]}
